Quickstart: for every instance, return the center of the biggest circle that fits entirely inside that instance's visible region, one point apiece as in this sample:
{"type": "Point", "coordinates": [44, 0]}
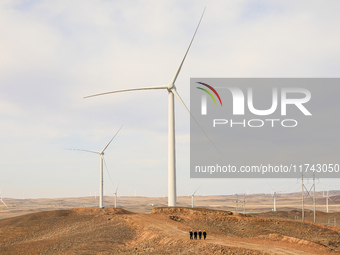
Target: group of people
{"type": "Point", "coordinates": [194, 234]}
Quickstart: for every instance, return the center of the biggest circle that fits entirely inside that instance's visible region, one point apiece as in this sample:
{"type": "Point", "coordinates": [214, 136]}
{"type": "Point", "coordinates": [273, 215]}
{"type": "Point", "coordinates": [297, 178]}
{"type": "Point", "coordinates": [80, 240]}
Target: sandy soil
{"type": "Point", "coordinates": [164, 231]}
{"type": "Point", "coordinates": [255, 203]}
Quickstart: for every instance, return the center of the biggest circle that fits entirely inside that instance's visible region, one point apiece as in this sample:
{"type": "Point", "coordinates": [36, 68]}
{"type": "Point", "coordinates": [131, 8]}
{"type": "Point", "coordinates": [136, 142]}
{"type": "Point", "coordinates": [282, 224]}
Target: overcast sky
{"type": "Point", "coordinates": [53, 53]}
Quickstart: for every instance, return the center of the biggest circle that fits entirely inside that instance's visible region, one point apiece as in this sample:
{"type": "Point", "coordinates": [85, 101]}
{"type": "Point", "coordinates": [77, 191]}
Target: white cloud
{"type": "Point", "coordinates": [55, 52]}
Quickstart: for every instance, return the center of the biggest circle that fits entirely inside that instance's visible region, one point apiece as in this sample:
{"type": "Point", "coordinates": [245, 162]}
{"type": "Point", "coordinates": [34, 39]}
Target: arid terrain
{"type": "Point", "coordinates": [164, 231]}
{"type": "Point", "coordinates": [146, 226]}
{"type": "Point", "coordinates": [255, 203]}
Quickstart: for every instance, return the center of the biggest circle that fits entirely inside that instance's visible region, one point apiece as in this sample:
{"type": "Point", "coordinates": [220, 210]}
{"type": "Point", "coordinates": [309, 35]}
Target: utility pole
{"type": "Point", "coordinates": [244, 204]}
{"type": "Point", "coordinates": [314, 196]}
{"type": "Point", "coordinates": [303, 208]}
{"type": "Point", "coordinates": [236, 203]}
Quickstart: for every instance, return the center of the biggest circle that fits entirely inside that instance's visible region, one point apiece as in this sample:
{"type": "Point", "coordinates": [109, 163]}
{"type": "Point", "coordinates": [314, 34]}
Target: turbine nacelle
{"type": "Point", "coordinates": [170, 87]}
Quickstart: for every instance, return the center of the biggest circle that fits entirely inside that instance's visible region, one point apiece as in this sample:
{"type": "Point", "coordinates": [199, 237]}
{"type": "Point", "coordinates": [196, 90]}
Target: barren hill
{"type": "Point", "coordinates": [164, 231]}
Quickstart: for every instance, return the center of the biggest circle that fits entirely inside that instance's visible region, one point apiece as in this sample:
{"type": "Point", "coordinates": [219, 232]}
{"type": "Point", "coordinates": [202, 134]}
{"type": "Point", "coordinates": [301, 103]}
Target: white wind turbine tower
{"type": "Point", "coordinates": [170, 87]}
{"type": "Point", "coordinates": [1, 198]}
{"type": "Point", "coordinates": [327, 198]}
{"type": "Point", "coordinates": [116, 197]}
{"type": "Point", "coordinates": [274, 197]}
{"type": "Point", "coordinates": [101, 153]}
{"type": "Point", "coordinates": [192, 197]}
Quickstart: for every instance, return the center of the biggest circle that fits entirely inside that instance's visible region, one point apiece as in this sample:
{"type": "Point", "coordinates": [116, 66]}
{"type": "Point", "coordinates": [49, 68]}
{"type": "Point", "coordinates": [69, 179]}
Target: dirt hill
{"type": "Point", "coordinates": [164, 231]}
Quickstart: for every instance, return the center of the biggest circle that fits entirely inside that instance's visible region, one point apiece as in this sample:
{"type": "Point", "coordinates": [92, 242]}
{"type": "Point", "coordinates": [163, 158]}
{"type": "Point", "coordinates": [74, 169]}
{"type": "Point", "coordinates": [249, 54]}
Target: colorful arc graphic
{"type": "Point", "coordinates": [212, 89]}
{"type": "Point", "coordinates": [208, 93]}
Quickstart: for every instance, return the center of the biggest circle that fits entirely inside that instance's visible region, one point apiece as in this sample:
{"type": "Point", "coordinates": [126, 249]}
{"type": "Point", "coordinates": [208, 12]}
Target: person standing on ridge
{"type": "Point", "coordinates": [195, 234]}
{"type": "Point", "coordinates": [204, 234]}
{"type": "Point", "coordinates": [191, 234]}
{"type": "Point", "coordinates": [200, 234]}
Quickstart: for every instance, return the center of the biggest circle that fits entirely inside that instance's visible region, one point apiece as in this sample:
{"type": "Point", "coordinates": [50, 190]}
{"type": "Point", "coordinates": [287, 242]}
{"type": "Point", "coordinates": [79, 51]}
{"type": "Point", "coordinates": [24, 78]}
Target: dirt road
{"type": "Point", "coordinates": [159, 225]}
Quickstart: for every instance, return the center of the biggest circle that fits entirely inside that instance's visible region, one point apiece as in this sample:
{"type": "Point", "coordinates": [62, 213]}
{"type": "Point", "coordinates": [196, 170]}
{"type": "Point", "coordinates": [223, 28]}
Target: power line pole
{"type": "Point", "coordinates": [236, 203]}
{"type": "Point", "coordinates": [244, 204]}
{"type": "Point", "coordinates": [327, 200]}
{"type": "Point", "coordinates": [303, 208]}
{"type": "Point", "coordinates": [314, 196]}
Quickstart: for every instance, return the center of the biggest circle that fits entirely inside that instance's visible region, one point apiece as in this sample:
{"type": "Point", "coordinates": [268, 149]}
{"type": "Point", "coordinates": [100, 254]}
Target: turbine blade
{"type": "Point", "coordinates": [112, 139]}
{"type": "Point", "coordinates": [196, 190]}
{"type": "Point", "coordinates": [97, 152]}
{"type": "Point", "coordinates": [126, 90]}
{"type": "Point", "coordinates": [107, 170]}
{"type": "Point", "coordinates": [192, 116]}
{"type": "Point", "coordinates": [3, 202]}
{"type": "Point", "coordinates": [117, 189]}
{"type": "Point", "coordinates": [180, 66]}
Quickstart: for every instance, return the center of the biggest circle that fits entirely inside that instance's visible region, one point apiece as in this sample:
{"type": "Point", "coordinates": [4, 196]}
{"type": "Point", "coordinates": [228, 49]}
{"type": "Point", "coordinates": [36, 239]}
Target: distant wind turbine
{"type": "Point", "coordinates": [327, 198]}
{"type": "Point", "coordinates": [1, 198]}
{"type": "Point", "coordinates": [116, 197]}
{"type": "Point", "coordinates": [192, 197]}
{"type": "Point", "coordinates": [170, 87]}
{"type": "Point", "coordinates": [101, 153]}
{"type": "Point", "coordinates": [274, 197]}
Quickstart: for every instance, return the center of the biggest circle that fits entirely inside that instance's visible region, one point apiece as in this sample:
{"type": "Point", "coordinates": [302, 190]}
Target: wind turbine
{"type": "Point", "coordinates": [170, 87]}
{"type": "Point", "coordinates": [101, 153]}
{"type": "Point", "coordinates": [237, 201]}
{"type": "Point", "coordinates": [192, 197]}
{"type": "Point", "coordinates": [1, 198]}
{"type": "Point", "coordinates": [274, 197]}
{"type": "Point", "coordinates": [116, 197]}
{"type": "Point", "coordinates": [327, 198]}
